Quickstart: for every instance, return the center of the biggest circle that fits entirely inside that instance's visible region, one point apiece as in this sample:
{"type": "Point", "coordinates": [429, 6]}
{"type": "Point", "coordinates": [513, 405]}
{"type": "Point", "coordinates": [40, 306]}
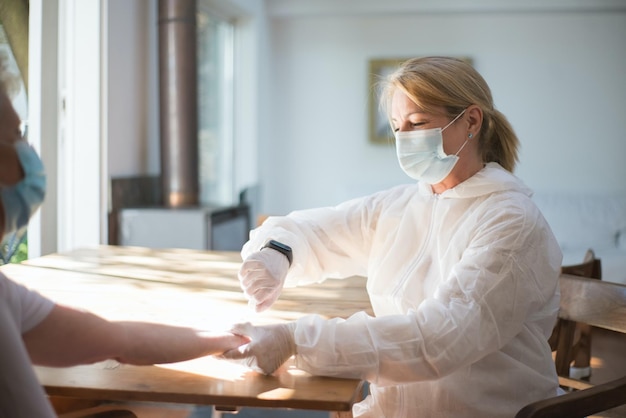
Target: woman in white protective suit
{"type": "Point", "coordinates": [462, 268]}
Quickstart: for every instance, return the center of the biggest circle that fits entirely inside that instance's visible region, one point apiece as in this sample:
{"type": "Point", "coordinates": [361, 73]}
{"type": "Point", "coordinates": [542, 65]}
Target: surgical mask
{"type": "Point", "coordinates": [23, 199]}
{"type": "Point", "coordinates": [421, 155]}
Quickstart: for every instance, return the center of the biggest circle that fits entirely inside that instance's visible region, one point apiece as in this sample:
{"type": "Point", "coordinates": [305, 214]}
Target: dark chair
{"type": "Point", "coordinates": [578, 354]}
{"type": "Point", "coordinates": [598, 304]}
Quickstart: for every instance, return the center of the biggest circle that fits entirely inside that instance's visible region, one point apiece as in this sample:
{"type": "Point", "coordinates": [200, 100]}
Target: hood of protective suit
{"type": "Point", "coordinates": [492, 178]}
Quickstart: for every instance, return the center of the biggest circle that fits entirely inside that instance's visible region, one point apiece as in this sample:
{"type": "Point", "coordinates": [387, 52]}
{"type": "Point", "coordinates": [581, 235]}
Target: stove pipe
{"type": "Point", "coordinates": [178, 102]}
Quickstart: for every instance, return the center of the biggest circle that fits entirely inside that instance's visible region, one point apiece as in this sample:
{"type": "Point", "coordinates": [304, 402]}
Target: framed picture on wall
{"type": "Point", "coordinates": [379, 130]}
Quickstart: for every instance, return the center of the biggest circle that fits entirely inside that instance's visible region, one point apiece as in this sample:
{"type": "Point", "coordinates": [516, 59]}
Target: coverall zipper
{"type": "Point", "coordinates": [398, 288]}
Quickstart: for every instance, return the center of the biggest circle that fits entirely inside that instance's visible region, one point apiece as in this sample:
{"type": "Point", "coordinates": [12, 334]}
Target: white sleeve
{"type": "Point", "coordinates": [27, 307]}
{"type": "Point", "coordinates": [21, 394]}
{"type": "Point", "coordinates": [329, 242]}
{"type": "Point", "coordinates": [504, 281]}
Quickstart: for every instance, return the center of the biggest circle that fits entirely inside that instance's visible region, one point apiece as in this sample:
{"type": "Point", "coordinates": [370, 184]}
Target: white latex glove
{"type": "Point", "coordinates": [269, 347]}
{"type": "Point", "coordinates": [262, 276]}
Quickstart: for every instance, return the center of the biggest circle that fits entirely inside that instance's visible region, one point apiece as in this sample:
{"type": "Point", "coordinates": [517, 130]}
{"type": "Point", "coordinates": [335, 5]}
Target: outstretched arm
{"type": "Point", "coordinates": [68, 336]}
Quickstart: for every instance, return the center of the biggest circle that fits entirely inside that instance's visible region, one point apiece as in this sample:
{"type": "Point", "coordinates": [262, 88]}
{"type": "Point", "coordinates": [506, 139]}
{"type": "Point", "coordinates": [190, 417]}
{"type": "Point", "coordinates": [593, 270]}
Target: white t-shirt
{"type": "Point", "coordinates": [27, 307]}
{"type": "Point", "coordinates": [21, 394]}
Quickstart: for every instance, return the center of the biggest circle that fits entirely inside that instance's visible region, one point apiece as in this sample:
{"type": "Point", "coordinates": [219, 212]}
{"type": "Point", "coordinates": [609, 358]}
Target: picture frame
{"type": "Point", "coordinates": [379, 129]}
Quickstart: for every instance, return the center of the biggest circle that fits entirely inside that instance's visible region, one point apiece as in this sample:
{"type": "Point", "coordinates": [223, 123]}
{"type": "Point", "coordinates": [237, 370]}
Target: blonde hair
{"type": "Point", "coordinates": [451, 83]}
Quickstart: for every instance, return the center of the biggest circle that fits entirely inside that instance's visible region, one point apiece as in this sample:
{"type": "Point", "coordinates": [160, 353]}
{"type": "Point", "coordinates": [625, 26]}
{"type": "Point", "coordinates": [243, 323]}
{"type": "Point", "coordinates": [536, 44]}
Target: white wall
{"type": "Point", "coordinates": [557, 75]}
{"type": "Point", "coordinates": [556, 70]}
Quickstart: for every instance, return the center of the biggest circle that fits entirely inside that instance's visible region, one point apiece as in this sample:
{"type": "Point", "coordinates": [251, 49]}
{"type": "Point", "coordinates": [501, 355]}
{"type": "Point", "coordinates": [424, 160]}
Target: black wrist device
{"type": "Point", "coordinates": [281, 248]}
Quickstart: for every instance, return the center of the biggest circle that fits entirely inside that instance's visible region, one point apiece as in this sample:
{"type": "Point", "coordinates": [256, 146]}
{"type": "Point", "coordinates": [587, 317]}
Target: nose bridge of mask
{"type": "Point", "coordinates": [418, 141]}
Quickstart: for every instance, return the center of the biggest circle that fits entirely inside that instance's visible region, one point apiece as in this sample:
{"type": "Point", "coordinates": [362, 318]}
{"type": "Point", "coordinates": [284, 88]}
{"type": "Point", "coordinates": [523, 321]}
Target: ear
{"type": "Point", "coordinates": [474, 119]}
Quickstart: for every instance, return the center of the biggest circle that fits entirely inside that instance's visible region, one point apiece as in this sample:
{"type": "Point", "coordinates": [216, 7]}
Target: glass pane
{"type": "Point", "coordinates": [215, 107]}
{"type": "Point", "coordinates": [13, 247]}
{"type": "Point", "coordinates": [13, 78]}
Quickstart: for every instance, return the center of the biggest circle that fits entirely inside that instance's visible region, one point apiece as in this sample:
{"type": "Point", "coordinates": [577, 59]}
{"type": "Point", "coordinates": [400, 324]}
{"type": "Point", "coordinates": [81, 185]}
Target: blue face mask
{"type": "Point", "coordinates": [421, 155]}
{"type": "Point", "coordinates": [21, 200]}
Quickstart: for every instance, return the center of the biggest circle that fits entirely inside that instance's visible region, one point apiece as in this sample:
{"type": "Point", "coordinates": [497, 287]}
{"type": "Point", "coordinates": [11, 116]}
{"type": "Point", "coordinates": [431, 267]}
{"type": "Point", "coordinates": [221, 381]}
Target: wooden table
{"type": "Point", "coordinates": [190, 288]}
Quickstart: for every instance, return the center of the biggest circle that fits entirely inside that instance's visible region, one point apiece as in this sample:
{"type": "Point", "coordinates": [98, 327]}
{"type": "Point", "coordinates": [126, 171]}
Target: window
{"type": "Point", "coordinates": [215, 107]}
{"type": "Point", "coordinates": [14, 248]}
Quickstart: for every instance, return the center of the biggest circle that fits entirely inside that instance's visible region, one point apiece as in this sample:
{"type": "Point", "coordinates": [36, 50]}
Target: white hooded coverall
{"type": "Point", "coordinates": [464, 286]}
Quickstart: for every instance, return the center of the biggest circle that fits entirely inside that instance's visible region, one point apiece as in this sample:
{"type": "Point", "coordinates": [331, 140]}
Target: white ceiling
{"type": "Point", "coordinates": [287, 8]}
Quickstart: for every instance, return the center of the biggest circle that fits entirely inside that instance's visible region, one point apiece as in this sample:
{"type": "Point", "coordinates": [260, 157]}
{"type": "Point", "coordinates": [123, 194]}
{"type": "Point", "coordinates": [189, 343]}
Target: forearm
{"type": "Point", "coordinates": [326, 242]}
{"type": "Point", "coordinates": [157, 343]}
{"type": "Point", "coordinates": [68, 337]}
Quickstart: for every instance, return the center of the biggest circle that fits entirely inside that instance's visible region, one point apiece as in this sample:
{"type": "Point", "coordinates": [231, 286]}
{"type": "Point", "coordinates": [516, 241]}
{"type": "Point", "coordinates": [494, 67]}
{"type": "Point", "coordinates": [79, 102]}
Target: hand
{"type": "Point", "coordinates": [262, 276]}
{"type": "Point", "coordinates": [269, 347]}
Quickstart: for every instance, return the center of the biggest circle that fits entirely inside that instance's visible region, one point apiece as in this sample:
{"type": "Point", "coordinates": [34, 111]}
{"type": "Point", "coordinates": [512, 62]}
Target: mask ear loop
{"type": "Point", "coordinates": [464, 144]}
{"type": "Point", "coordinates": [453, 120]}
{"type": "Point", "coordinates": [468, 137]}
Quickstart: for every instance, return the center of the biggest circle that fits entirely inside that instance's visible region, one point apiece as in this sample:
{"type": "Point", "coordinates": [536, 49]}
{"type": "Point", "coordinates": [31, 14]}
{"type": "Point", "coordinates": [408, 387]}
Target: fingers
{"type": "Point", "coordinates": [259, 283]}
{"type": "Point", "coordinates": [265, 297]}
{"type": "Point", "coordinates": [258, 296]}
{"type": "Point", "coordinates": [269, 347]}
{"type": "Point", "coordinates": [237, 341]}
{"type": "Point", "coordinates": [240, 356]}
{"type": "Point", "coordinates": [263, 305]}
{"type": "Point", "coordinates": [255, 274]}
{"type": "Point", "coordinates": [249, 267]}
{"type": "Point", "coordinates": [244, 328]}
{"type": "Point", "coordinates": [262, 277]}
{"type": "Point", "coordinates": [261, 288]}
{"type": "Point", "coordinates": [249, 355]}
{"type": "Point", "coordinates": [235, 353]}
{"type": "Point", "coordinates": [259, 306]}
